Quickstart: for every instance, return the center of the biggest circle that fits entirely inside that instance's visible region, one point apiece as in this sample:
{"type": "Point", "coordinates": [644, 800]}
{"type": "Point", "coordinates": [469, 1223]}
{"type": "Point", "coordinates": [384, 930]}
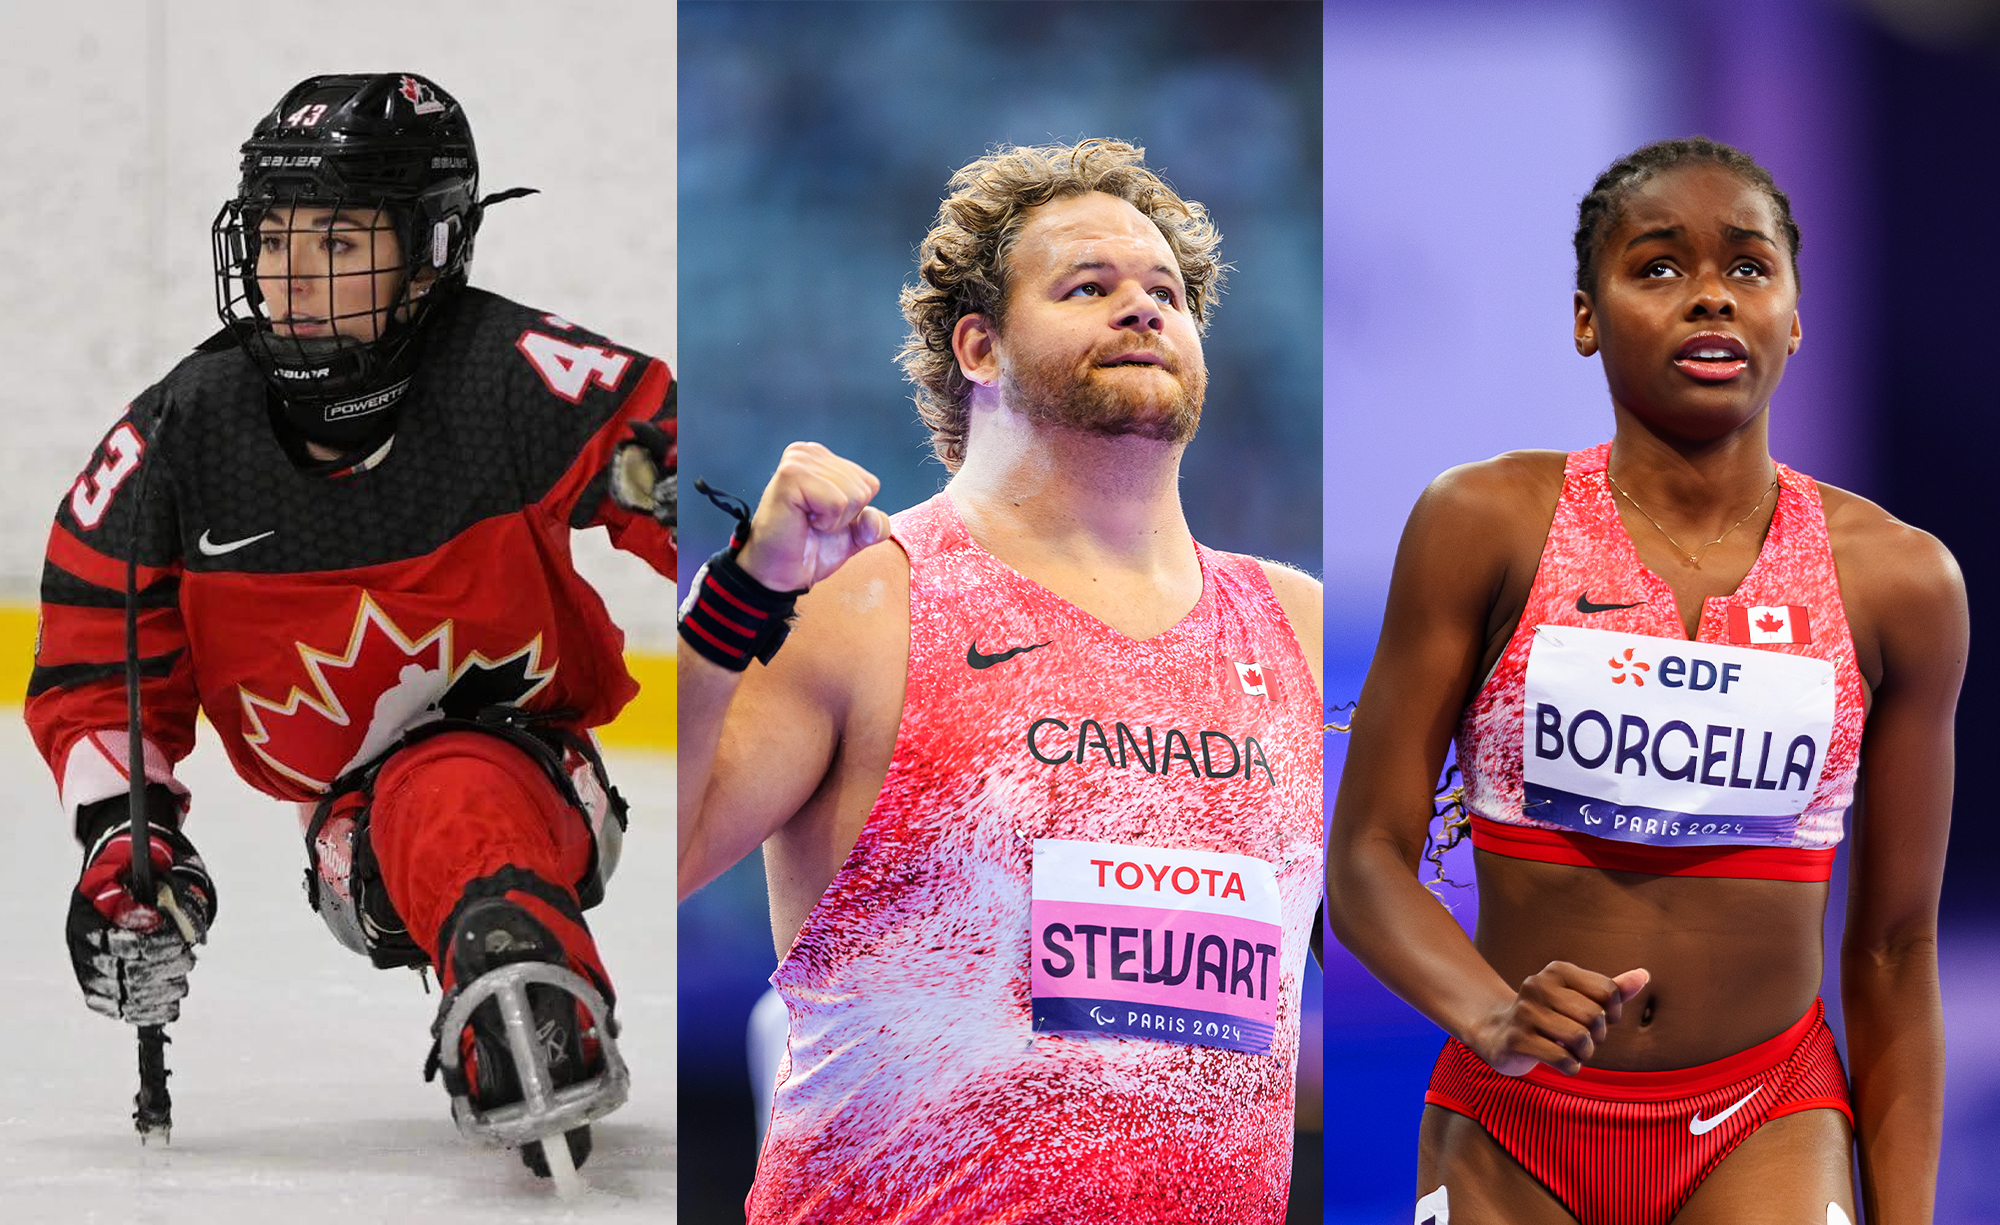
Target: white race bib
{"type": "Point", "coordinates": [1180, 946]}
{"type": "Point", "coordinates": [1671, 743]}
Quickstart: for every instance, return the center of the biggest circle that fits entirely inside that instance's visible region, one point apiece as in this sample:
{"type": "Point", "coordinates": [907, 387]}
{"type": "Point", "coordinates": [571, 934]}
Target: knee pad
{"type": "Point", "coordinates": [603, 809]}
{"type": "Point", "coordinates": [344, 885]}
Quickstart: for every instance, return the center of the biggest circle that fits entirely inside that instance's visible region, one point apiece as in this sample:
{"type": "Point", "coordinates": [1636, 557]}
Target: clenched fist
{"type": "Point", "coordinates": [1558, 1018]}
{"type": "Point", "coordinates": [814, 515]}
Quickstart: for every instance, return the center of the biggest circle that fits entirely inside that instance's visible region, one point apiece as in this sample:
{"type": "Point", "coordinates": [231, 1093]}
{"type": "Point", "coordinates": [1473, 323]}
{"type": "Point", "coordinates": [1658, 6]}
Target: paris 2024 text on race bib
{"type": "Point", "coordinates": [1672, 743]}
{"type": "Point", "coordinates": [1179, 946]}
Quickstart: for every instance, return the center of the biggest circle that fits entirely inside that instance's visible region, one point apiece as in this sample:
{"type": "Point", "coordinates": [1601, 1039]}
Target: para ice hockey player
{"type": "Point", "coordinates": [349, 516]}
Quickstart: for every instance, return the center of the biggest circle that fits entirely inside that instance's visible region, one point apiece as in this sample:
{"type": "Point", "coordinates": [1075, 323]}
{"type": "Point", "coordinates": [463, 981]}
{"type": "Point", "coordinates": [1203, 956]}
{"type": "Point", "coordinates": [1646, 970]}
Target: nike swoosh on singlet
{"type": "Point", "coordinates": [1698, 1126]}
{"type": "Point", "coordinates": [1583, 604]}
{"type": "Point", "coordinates": [210, 549]}
{"type": "Point", "coordinates": [975, 659]}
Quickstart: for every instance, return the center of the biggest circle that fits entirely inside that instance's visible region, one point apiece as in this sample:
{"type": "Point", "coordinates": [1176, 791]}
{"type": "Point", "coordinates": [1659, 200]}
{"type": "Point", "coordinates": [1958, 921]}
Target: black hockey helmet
{"type": "Point", "coordinates": [358, 203]}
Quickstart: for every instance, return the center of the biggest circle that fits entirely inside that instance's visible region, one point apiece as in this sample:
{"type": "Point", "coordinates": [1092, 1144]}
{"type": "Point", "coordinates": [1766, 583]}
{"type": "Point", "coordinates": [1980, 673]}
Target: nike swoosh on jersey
{"type": "Point", "coordinates": [210, 549]}
{"type": "Point", "coordinates": [1583, 604]}
{"type": "Point", "coordinates": [975, 659]}
{"type": "Point", "coordinates": [1699, 1126]}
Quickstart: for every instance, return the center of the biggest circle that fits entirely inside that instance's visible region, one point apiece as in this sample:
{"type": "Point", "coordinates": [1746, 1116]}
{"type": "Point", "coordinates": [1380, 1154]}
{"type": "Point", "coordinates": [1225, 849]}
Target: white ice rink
{"type": "Point", "coordinates": [297, 1068]}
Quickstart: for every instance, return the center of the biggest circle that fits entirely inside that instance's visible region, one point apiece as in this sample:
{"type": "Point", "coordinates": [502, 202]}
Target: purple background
{"type": "Point", "coordinates": [1459, 138]}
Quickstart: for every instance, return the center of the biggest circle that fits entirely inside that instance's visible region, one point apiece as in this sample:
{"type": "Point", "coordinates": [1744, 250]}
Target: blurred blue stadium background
{"type": "Point", "coordinates": [1459, 137]}
{"type": "Point", "coordinates": [815, 141]}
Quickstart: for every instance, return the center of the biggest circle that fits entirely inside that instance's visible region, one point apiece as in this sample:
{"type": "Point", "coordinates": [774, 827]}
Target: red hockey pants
{"type": "Point", "coordinates": [464, 807]}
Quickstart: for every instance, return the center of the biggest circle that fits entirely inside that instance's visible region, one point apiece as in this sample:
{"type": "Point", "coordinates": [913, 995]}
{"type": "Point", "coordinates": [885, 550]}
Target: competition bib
{"type": "Point", "coordinates": [1671, 743]}
{"type": "Point", "coordinates": [1181, 946]}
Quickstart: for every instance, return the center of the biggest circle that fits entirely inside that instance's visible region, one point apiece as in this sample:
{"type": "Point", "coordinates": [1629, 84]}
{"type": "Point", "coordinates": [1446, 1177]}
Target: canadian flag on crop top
{"type": "Point", "coordinates": [1759, 625]}
{"type": "Point", "coordinates": [1251, 677]}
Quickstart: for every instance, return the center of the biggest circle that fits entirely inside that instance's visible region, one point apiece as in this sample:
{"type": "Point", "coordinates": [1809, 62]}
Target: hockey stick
{"type": "Point", "coordinates": [152, 1107]}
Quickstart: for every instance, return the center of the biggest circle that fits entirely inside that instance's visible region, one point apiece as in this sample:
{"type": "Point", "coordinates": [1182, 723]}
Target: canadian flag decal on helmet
{"type": "Point", "coordinates": [421, 99]}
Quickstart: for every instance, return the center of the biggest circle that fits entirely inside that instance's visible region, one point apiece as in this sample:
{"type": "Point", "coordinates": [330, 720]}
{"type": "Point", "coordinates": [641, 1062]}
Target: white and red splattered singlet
{"type": "Point", "coordinates": [923, 1081]}
{"type": "Point", "coordinates": [1718, 774]}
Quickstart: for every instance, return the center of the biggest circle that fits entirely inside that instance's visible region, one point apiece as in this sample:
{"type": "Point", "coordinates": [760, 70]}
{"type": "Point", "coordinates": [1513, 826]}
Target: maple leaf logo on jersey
{"type": "Point", "coordinates": [382, 683]}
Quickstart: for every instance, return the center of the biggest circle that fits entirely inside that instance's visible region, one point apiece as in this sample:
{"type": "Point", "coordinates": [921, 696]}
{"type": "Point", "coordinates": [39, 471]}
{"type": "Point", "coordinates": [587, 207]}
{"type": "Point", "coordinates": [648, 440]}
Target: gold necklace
{"type": "Point", "coordinates": [1694, 559]}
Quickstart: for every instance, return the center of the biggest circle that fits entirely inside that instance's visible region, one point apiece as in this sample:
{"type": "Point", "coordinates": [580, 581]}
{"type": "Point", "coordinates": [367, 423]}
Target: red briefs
{"type": "Point", "coordinates": [1628, 1148]}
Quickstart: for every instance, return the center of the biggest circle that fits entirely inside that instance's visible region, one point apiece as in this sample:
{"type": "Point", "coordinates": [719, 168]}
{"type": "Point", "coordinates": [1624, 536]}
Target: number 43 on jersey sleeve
{"type": "Point", "coordinates": [569, 369]}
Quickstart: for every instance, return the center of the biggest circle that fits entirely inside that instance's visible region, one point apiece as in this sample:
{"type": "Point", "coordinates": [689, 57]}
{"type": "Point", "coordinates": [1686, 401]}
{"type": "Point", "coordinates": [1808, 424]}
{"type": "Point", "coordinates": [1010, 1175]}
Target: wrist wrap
{"type": "Point", "coordinates": [730, 618]}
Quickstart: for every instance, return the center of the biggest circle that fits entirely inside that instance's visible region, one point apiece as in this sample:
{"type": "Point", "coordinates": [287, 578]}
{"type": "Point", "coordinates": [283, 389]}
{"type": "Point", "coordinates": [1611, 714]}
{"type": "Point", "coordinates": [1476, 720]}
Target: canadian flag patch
{"type": "Point", "coordinates": [1251, 677]}
{"type": "Point", "coordinates": [1761, 624]}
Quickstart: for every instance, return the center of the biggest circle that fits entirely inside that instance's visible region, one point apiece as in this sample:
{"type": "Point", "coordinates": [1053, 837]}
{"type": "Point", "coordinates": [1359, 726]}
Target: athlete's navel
{"type": "Point", "coordinates": [1646, 1016]}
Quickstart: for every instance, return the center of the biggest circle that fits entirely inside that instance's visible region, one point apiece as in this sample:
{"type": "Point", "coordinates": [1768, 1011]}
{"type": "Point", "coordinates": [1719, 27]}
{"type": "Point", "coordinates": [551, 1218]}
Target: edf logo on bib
{"type": "Point", "coordinates": [1671, 742]}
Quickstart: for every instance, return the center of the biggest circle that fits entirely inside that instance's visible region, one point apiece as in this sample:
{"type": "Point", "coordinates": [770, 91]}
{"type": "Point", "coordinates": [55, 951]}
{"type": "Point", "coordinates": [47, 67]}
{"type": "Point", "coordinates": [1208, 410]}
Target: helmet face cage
{"type": "Point", "coordinates": [352, 222]}
{"type": "Point", "coordinates": [315, 273]}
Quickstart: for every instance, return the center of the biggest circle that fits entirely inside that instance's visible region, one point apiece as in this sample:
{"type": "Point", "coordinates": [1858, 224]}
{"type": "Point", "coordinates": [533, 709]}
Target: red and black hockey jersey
{"type": "Point", "coordinates": [314, 616]}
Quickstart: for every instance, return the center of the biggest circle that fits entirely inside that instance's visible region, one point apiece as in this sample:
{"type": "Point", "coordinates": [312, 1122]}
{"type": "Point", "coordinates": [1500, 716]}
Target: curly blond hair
{"type": "Point", "coordinates": [962, 264]}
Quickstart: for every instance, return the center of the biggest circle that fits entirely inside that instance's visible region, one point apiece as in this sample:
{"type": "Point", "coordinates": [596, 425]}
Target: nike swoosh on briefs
{"type": "Point", "coordinates": [1699, 1126]}
{"type": "Point", "coordinates": [975, 659]}
{"type": "Point", "coordinates": [1583, 604]}
{"type": "Point", "coordinates": [210, 549]}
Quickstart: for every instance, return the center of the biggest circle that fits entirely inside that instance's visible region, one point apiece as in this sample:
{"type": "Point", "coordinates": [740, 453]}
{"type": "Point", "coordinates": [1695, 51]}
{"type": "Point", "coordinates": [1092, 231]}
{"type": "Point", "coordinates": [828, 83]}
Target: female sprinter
{"type": "Point", "coordinates": [1667, 660]}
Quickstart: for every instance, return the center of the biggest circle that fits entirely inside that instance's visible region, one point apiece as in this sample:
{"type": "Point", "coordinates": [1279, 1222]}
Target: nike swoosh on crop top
{"type": "Point", "coordinates": [1057, 979]}
{"type": "Point", "coordinates": [1611, 740]}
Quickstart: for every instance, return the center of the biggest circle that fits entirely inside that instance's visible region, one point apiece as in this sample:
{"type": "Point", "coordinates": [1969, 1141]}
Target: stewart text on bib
{"type": "Point", "coordinates": [1177, 945]}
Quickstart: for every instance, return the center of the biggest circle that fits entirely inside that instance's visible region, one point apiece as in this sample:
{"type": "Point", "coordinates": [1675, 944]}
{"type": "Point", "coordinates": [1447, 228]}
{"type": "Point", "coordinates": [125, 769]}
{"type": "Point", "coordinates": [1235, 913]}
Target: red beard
{"type": "Point", "coordinates": [1094, 399]}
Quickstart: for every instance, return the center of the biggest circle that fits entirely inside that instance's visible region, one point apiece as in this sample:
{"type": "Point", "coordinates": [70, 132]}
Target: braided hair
{"type": "Point", "coordinates": [1600, 210]}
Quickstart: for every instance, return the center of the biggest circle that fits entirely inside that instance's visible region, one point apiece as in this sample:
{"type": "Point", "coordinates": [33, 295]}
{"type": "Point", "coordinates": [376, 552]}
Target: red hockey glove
{"type": "Point", "coordinates": [132, 955]}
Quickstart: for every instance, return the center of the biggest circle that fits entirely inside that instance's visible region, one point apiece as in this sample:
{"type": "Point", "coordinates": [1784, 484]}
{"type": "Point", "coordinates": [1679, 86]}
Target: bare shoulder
{"type": "Point", "coordinates": [1303, 600]}
{"type": "Point", "coordinates": [1886, 560]}
{"type": "Point", "coordinates": [1479, 521]}
{"type": "Point", "coordinates": [850, 643]}
{"type": "Point", "coordinates": [1299, 593]}
{"type": "Point", "coordinates": [1903, 594]}
{"type": "Point", "coordinates": [1524, 479]}
{"type": "Point", "coordinates": [858, 592]}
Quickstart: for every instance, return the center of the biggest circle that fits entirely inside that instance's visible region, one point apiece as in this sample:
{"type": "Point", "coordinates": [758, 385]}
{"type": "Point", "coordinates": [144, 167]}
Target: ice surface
{"type": "Point", "coordinates": [298, 1089]}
